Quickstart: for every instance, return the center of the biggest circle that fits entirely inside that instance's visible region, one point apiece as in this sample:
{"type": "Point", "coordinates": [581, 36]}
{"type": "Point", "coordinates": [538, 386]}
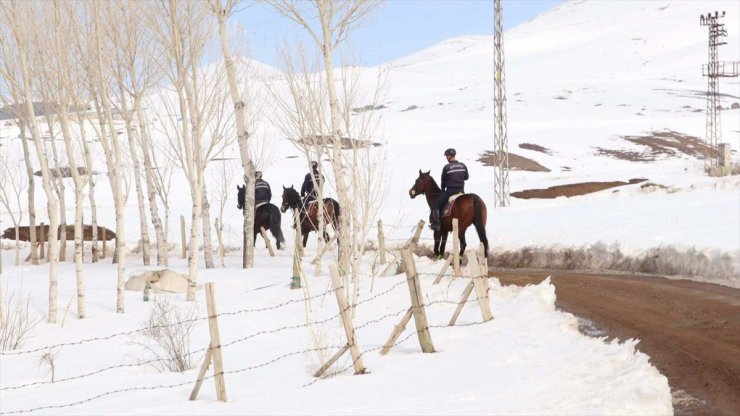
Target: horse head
{"type": "Point", "coordinates": [422, 184]}
{"type": "Point", "coordinates": [240, 195]}
{"type": "Point", "coordinates": [291, 199]}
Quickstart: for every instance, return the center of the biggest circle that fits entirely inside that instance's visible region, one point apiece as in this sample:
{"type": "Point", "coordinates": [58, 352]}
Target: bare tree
{"type": "Point", "coordinates": [328, 22]}
{"type": "Point", "coordinates": [98, 72]}
{"type": "Point", "coordinates": [13, 185]}
{"type": "Point", "coordinates": [18, 19]}
{"type": "Point", "coordinates": [201, 122]}
{"type": "Point", "coordinates": [222, 10]}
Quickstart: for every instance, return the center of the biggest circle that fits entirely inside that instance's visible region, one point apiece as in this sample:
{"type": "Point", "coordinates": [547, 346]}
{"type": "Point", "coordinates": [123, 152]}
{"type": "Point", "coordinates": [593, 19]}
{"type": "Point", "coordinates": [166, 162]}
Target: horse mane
{"type": "Point", "coordinates": [435, 187]}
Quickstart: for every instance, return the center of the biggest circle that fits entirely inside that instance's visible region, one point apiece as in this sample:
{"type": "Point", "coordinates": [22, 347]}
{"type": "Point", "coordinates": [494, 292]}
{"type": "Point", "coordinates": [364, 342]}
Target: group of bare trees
{"type": "Point", "coordinates": [132, 80]}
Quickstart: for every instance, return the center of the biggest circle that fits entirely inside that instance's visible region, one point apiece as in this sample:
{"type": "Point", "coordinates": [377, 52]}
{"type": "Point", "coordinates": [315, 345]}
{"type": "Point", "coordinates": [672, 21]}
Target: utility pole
{"type": "Point", "coordinates": [714, 70]}
{"type": "Point", "coordinates": [501, 141]}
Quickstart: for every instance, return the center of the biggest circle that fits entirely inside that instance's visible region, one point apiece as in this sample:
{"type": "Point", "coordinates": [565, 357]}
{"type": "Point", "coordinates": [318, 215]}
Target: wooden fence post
{"type": "Point", "coordinates": [397, 331]}
{"type": "Point", "coordinates": [42, 241]}
{"type": "Point", "coordinates": [267, 241]}
{"type": "Point", "coordinates": [417, 302]}
{"type": "Point", "coordinates": [411, 245]}
{"type": "Point", "coordinates": [214, 351]}
{"type": "Point", "coordinates": [456, 247]}
{"type": "Point", "coordinates": [182, 236]}
{"type": "Point", "coordinates": [295, 281]}
{"type": "Point", "coordinates": [349, 328]}
{"type": "Point", "coordinates": [466, 294]}
{"type": "Point", "coordinates": [381, 242]}
{"type": "Point", "coordinates": [444, 269]}
{"type": "Point", "coordinates": [298, 231]}
{"type": "Point", "coordinates": [480, 282]}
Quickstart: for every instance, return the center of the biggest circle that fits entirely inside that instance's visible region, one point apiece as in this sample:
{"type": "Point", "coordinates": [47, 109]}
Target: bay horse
{"type": "Point", "coordinates": [309, 217]}
{"type": "Point", "coordinates": [266, 216]}
{"type": "Point", "coordinates": [469, 209]}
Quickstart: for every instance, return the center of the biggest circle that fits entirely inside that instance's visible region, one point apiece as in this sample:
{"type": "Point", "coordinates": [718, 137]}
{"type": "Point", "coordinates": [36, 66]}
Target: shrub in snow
{"type": "Point", "coordinates": [16, 326]}
{"type": "Point", "coordinates": [167, 339]}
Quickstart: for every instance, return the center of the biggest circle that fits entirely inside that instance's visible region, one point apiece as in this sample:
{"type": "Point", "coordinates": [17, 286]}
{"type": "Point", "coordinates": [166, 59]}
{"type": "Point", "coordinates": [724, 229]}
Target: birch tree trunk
{"type": "Point", "coordinates": [51, 203]}
{"type": "Point", "coordinates": [241, 129]}
{"type": "Point", "coordinates": [31, 191]}
{"type": "Point", "coordinates": [207, 241]}
{"type": "Point", "coordinates": [162, 257]}
{"type": "Point", "coordinates": [143, 223]}
{"type": "Point", "coordinates": [91, 185]}
{"type": "Point", "coordinates": [59, 186]}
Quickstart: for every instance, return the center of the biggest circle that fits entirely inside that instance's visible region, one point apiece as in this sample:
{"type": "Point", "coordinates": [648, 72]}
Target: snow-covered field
{"type": "Point", "coordinates": [579, 77]}
{"type": "Point", "coordinates": [529, 359]}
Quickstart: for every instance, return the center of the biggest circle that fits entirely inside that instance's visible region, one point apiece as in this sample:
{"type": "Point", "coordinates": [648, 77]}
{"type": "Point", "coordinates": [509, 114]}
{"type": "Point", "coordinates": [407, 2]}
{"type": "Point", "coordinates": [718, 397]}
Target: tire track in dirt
{"type": "Point", "coordinates": [690, 330]}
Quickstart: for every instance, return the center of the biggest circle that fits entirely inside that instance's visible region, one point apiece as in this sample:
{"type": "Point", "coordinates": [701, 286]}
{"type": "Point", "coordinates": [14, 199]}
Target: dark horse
{"type": "Point", "coordinates": [468, 209]}
{"type": "Point", "coordinates": [309, 219]}
{"type": "Point", "coordinates": [266, 216]}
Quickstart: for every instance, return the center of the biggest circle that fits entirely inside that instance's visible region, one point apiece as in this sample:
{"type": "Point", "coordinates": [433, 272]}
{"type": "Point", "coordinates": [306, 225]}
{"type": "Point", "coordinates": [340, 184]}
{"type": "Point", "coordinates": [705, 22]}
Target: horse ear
{"type": "Point", "coordinates": [284, 188]}
{"type": "Point", "coordinates": [291, 186]}
{"type": "Point", "coordinates": [429, 171]}
{"type": "Point", "coordinates": [419, 172]}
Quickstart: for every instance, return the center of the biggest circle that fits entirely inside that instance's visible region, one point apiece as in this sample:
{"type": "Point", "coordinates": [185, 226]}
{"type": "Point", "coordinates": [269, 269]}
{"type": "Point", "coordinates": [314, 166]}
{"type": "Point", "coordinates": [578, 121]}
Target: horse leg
{"type": "Point", "coordinates": [443, 244]}
{"type": "Point", "coordinates": [461, 237]}
{"type": "Point", "coordinates": [305, 238]}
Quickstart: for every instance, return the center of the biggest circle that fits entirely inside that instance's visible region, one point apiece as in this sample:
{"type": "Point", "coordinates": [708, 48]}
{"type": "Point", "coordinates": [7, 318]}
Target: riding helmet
{"type": "Point", "coordinates": [315, 164]}
{"type": "Point", "coordinates": [450, 152]}
{"type": "Point", "coordinates": [258, 174]}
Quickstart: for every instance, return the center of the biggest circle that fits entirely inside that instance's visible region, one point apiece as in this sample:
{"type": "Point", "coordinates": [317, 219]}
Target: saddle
{"type": "Point", "coordinates": [447, 211]}
{"type": "Point", "coordinates": [260, 204]}
{"type": "Point", "coordinates": [312, 209]}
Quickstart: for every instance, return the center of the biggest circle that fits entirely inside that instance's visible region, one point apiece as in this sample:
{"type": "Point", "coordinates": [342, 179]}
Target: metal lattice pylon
{"type": "Point", "coordinates": [714, 70]}
{"type": "Point", "coordinates": [501, 141]}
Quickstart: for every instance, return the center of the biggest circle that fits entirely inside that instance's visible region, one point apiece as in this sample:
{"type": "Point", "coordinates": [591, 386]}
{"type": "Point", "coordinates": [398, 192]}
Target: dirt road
{"type": "Point", "coordinates": [691, 331]}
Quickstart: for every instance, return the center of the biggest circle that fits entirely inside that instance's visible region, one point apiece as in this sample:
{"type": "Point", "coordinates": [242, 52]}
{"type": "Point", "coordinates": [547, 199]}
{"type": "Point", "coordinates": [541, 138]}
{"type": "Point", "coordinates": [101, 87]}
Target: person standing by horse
{"type": "Point", "coordinates": [309, 193]}
{"type": "Point", "coordinates": [262, 191]}
{"type": "Point", "coordinates": [454, 175]}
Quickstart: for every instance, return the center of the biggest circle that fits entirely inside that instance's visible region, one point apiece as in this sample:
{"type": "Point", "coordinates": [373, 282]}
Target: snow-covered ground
{"type": "Point", "coordinates": [579, 77]}
{"type": "Point", "coordinates": [530, 359]}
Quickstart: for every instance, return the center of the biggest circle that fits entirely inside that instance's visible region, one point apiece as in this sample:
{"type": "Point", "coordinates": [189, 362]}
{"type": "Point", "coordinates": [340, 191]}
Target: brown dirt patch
{"type": "Point", "coordinates": [660, 143]}
{"type": "Point", "coordinates": [535, 147]}
{"type": "Point", "coordinates": [690, 330]}
{"type": "Point", "coordinates": [574, 189]}
{"type": "Point", "coordinates": [516, 162]}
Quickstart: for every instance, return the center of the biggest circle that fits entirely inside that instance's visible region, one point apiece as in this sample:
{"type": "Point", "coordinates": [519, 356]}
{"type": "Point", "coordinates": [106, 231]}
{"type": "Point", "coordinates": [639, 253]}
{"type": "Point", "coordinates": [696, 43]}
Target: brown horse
{"type": "Point", "coordinates": [309, 215]}
{"type": "Point", "coordinates": [468, 209]}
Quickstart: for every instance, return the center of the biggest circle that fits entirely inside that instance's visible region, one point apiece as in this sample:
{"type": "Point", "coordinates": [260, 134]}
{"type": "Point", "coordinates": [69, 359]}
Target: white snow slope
{"type": "Point", "coordinates": [629, 57]}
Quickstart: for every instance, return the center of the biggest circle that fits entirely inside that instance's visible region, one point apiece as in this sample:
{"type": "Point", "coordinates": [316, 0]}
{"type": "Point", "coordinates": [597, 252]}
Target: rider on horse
{"type": "Point", "coordinates": [454, 175]}
{"type": "Point", "coordinates": [262, 191]}
{"type": "Point", "coordinates": [308, 192]}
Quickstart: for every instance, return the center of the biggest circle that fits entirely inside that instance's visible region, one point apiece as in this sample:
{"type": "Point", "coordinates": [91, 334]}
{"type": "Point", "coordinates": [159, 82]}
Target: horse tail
{"type": "Point", "coordinates": [479, 220]}
{"type": "Point", "coordinates": [275, 221]}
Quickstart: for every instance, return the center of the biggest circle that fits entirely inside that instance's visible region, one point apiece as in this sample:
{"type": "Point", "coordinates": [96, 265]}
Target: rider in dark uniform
{"type": "Point", "coordinates": [454, 175]}
{"type": "Point", "coordinates": [262, 191]}
{"type": "Point", "coordinates": [308, 192]}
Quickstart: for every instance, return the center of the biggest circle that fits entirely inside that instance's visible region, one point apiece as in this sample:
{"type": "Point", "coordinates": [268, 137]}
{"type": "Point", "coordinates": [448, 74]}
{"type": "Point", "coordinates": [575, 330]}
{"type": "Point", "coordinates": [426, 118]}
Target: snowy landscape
{"type": "Point", "coordinates": [597, 91]}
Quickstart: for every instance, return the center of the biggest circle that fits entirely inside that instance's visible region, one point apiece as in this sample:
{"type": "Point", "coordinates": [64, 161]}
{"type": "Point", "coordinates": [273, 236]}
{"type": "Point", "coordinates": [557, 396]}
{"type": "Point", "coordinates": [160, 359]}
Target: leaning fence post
{"type": "Point", "coordinates": [480, 282]}
{"type": "Point", "coordinates": [417, 302]}
{"type": "Point", "coordinates": [213, 354]}
{"type": "Point", "coordinates": [381, 242]}
{"type": "Point", "coordinates": [456, 247]}
{"type": "Point", "coordinates": [295, 281]}
{"type": "Point", "coordinates": [413, 242]}
{"type": "Point", "coordinates": [349, 328]}
{"type": "Point", "coordinates": [267, 241]}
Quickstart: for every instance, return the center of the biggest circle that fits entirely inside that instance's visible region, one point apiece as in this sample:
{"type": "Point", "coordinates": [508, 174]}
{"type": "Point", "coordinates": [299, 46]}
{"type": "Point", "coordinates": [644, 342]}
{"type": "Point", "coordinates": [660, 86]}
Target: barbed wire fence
{"type": "Point", "coordinates": [478, 281]}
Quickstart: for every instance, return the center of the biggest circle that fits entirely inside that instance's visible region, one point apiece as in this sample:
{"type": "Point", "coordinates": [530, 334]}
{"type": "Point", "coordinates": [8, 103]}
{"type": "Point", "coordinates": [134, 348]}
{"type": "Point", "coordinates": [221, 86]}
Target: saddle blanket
{"type": "Point", "coordinates": [447, 211]}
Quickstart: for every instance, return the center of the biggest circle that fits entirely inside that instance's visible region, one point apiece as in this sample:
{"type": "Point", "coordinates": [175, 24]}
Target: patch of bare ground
{"type": "Point", "coordinates": [573, 189]}
{"type": "Point", "coordinates": [347, 142]}
{"type": "Point", "coordinates": [535, 147]}
{"type": "Point", "coordinates": [690, 330]}
{"type": "Point", "coordinates": [516, 162]}
{"type": "Point", "coordinates": [660, 143]}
